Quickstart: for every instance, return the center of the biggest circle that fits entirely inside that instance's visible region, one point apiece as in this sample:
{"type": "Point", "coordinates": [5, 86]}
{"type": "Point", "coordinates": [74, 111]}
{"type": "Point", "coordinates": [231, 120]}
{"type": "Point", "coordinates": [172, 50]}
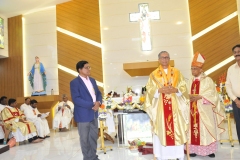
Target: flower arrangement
{"type": "Point", "coordinates": [221, 89]}
{"type": "Point", "coordinates": [142, 97]}
{"type": "Point", "coordinates": [102, 113]}
{"type": "Point", "coordinates": [135, 143]}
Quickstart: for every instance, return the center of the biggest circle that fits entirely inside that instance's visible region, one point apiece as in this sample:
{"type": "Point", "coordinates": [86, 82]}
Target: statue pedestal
{"type": "Point", "coordinates": [45, 104]}
{"type": "Point", "coordinates": [43, 93]}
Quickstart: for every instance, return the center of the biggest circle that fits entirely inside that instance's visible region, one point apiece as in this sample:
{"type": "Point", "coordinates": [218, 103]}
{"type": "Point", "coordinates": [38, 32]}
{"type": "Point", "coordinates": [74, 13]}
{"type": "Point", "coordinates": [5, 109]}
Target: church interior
{"type": "Point", "coordinates": [121, 40]}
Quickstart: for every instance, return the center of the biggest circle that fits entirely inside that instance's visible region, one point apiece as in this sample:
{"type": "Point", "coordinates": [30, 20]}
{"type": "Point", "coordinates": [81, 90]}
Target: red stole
{"type": "Point", "coordinates": [169, 125]}
{"type": "Point", "coordinates": [194, 117]}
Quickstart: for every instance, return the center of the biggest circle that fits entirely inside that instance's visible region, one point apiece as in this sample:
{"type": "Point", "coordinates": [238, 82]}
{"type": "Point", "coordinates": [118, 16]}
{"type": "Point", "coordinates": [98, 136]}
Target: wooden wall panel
{"type": "Point", "coordinates": [11, 68]}
{"type": "Point", "coordinates": [71, 50]}
{"type": "Point", "coordinates": [204, 13]}
{"type": "Point", "coordinates": [215, 45]}
{"type": "Point", "coordinates": [80, 17]}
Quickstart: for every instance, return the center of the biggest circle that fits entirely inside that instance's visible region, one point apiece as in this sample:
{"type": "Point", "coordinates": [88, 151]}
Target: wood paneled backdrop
{"type": "Point", "coordinates": [215, 45]}
{"type": "Point", "coordinates": [11, 69]}
{"type": "Point", "coordinates": [80, 17]}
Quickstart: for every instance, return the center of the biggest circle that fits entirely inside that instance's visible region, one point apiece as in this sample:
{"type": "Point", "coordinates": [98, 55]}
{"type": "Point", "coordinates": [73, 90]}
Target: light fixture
{"type": "Point", "coordinates": [79, 37]}
{"type": "Point", "coordinates": [25, 80]}
{"type": "Point", "coordinates": [179, 22]}
{"type": "Point", "coordinates": [208, 29]}
{"type": "Point", "coordinates": [219, 65]}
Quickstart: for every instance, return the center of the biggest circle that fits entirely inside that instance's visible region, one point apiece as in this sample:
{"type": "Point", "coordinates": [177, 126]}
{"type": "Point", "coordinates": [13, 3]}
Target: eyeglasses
{"type": "Point", "coordinates": [236, 52]}
{"type": "Point", "coordinates": [195, 68]}
{"type": "Point", "coordinates": [87, 67]}
{"type": "Point", "coordinates": [166, 58]}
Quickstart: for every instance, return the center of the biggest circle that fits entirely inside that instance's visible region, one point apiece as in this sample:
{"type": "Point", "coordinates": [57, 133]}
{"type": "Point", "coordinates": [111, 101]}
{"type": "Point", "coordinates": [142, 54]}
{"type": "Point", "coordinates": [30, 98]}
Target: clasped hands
{"type": "Point", "coordinates": [96, 106]}
{"type": "Point", "coordinates": [167, 90]}
{"type": "Point", "coordinates": [194, 97]}
{"type": "Point", "coordinates": [22, 119]}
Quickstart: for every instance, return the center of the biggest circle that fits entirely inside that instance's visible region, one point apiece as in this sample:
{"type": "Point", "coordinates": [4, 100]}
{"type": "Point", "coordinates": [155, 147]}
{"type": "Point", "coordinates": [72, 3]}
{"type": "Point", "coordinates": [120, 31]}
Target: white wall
{"type": "Point", "coordinates": [121, 42]}
{"type": "Point", "coordinates": [4, 51]}
{"type": "Point", "coordinates": [40, 39]}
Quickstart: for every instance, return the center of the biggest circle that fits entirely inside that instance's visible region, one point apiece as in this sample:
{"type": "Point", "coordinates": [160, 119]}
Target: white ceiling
{"type": "Point", "coordinates": [11, 8]}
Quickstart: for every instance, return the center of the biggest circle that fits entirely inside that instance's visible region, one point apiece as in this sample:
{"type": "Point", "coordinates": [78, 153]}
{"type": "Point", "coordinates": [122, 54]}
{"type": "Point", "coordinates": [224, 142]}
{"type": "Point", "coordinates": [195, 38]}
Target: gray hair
{"type": "Point", "coordinates": [64, 95]}
{"type": "Point", "coordinates": [159, 55]}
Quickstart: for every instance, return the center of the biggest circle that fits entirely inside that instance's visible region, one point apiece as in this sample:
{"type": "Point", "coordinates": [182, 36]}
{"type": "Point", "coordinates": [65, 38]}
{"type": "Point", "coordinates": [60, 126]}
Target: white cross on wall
{"type": "Point", "coordinates": [144, 17]}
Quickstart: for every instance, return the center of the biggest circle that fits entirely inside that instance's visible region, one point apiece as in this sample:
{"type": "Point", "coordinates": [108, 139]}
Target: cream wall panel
{"type": "Point", "coordinates": [41, 40]}
{"type": "Point", "coordinates": [121, 42]}
{"type": "Point", "coordinates": [41, 17]}
{"type": "Point", "coordinates": [4, 52]}
{"type": "Point", "coordinates": [40, 28]}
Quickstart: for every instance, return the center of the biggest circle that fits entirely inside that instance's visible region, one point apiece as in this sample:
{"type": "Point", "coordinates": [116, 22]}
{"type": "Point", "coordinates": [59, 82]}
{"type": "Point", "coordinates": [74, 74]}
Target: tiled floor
{"type": "Point", "coordinates": [65, 146]}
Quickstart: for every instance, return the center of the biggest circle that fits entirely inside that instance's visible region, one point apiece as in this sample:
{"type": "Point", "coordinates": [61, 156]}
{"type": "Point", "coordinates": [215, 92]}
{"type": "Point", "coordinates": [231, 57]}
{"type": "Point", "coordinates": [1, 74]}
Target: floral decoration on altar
{"type": "Point", "coordinates": [221, 89]}
{"type": "Point", "coordinates": [129, 101]}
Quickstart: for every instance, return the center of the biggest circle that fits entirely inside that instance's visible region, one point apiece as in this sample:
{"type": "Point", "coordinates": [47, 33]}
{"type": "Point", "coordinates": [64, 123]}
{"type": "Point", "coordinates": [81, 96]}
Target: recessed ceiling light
{"type": "Point", "coordinates": [179, 22]}
{"type": "Point", "coordinates": [105, 28]}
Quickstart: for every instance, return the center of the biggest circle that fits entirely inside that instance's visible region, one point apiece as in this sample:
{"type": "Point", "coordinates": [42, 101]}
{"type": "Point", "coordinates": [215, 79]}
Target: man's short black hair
{"type": "Point", "coordinates": [238, 45]}
{"type": "Point", "coordinates": [33, 101]}
{"type": "Point", "coordinates": [27, 98]}
{"type": "Point", "coordinates": [11, 101]}
{"type": "Point", "coordinates": [2, 98]}
{"type": "Point", "coordinates": [80, 65]}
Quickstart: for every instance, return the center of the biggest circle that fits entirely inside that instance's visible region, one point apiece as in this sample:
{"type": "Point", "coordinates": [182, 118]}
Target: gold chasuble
{"type": "Point", "coordinates": [166, 113]}
{"type": "Point", "coordinates": [206, 114]}
{"type": "Point", "coordinates": [11, 116]}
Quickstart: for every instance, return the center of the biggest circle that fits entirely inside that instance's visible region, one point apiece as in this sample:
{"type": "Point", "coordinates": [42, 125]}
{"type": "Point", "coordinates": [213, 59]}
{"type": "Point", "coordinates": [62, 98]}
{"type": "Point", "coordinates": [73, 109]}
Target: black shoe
{"type": "Point", "coordinates": [47, 136]}
{"type": "Point", "coordinates": [211, 155]}
{"type": "Point", "coordinates": [192, 155]}
{"type": "Point", "coordinates": [41, 137]}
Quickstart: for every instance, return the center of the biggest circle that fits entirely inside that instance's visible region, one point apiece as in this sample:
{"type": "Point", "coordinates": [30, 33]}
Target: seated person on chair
{"type": "Point", "coordinates": [25, 105]}
{"type": "Point", "coordinates": [64, 114]}
{"type": "Point", "coordinates": [3, 104]}
{"type": "Point", "coordinates": [33, 115]}
{"type": "Point", "coordinates": [15, 121]}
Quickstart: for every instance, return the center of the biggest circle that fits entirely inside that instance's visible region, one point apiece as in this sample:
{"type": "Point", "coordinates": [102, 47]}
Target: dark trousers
{"type": "Point", "coordinates": [236, 112]}
{"type": "Point", "coordinates": [88, 132]}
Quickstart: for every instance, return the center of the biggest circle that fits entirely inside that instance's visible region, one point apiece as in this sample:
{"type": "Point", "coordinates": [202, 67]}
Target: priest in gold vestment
{"type": "Point", "coordinates": [167, 104]}
{"type": "Point", "coordinates": [15, 120]}
{"type": "Point", "coordinates": [206, 113]}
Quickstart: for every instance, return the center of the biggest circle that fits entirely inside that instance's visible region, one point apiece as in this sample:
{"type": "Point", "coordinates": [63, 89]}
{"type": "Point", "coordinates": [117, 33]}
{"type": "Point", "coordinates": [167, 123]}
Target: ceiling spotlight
{"type": "Point", "coordinates": [179, 22]}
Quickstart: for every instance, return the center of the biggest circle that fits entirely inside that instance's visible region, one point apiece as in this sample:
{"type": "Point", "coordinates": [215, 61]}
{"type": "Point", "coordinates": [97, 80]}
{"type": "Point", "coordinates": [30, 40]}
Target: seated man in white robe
{"type": "Point", "coordinates": [3, 104]}
{"type": "Point", "coordinates": [64, 114]}
{"type": "Point", "coordinates": [33, 115]}
{"type": "Point", "coordinates": [15, 121]}
{"type": "Point", "coordinates": [25, 105]}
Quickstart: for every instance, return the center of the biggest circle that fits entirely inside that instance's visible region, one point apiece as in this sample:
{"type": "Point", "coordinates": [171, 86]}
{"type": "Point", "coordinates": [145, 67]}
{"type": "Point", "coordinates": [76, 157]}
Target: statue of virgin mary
{"type": "Point", "coordinates": [37, 76]}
